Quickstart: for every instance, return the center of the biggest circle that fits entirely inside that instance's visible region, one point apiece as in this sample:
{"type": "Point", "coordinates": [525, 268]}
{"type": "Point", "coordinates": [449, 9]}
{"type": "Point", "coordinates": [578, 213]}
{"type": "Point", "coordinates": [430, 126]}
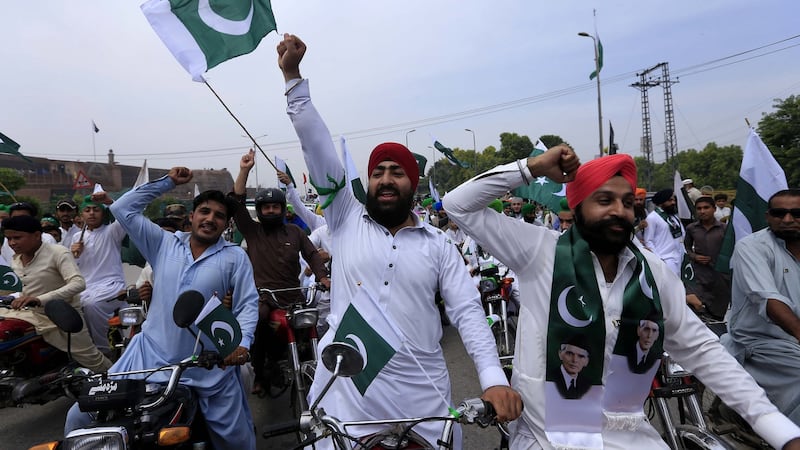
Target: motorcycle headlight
{"type": "Point", "coordinates": [304, 318]}
{"type": "Point", "coordinates": [488, 285]}
{"type": "Point", "coordinates": [105, 438]}
{"type": "Point", "coordinates": [131, 316]}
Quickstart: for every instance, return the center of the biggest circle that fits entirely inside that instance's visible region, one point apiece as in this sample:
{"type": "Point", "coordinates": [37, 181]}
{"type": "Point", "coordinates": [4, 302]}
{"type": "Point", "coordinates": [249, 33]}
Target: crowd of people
{"type": "Point", "coordinates": [601, 289]}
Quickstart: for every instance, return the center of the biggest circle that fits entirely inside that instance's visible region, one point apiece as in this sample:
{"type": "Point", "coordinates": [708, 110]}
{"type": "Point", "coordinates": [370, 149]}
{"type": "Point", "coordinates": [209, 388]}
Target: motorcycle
{"type": "Point", "coordinates": [31, 370]}
{"type": "Point", "coordinates": [136, 413]}
{"type": "Point", "coordinates": [126, 322]}
{"type": "Point", "coordinates": [344, 360]}
{"type": "Point", "coordinates": [495, 297]}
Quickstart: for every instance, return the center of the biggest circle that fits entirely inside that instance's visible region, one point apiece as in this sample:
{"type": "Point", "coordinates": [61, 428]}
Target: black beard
{"type": "Point", "coordinates": [670, 209]}
{"type": "Point", "coordinates": [788, 236]}
{"type": "Point", "coordinates": [389, 216]}
{"type": "Point", "coordinates": [601, 240]}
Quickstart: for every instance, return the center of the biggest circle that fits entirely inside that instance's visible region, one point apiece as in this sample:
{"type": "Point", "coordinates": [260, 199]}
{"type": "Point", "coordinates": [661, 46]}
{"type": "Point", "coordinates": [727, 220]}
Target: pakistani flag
{"type": "Point", "coordinates": [144, 176]}
{"type": "Point", "coordinates": [543, 190]}
{"type": "Point", "coordinates": [9, 281]}
{"type": "Point", "coordinates": [283, 167]}
{"type": "Point", "coordinates": [421, 163]}
{"type": "Point", "coordinates": [448, 152]}
{"type": "Point", "coordinates": [433, 191]}
{"type": "Point", "coordinates": [7, 145]}
{"type": "Point", "coordinates": [759, 178]}
{"type": "Point", "coordinates": [220, 325]}
{"type": "Point", "coordinates": [366, 327]}
{"type": "Point", "coordinates": [599, 56]}
{"type": "Point", "coordinates": [683, 202]}
{"type": "Point", "coordinates": [351, 173]}
{"type": "Point", "coordinates": [201, 35]}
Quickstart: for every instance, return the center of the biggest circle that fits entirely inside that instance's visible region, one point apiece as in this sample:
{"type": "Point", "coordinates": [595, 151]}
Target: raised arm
{"type": "Point", "coordinates": [293, 197]}
{"type": "Point", "coordinates": [326, 171]}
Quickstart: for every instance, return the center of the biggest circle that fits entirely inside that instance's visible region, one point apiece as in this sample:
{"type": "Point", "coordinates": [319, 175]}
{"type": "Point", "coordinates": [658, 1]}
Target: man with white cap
{"type": "Point", "coordinates": [691, 191]}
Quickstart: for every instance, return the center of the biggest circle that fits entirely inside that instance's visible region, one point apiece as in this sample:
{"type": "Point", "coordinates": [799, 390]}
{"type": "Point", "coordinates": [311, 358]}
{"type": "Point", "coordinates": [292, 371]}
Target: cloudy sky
{"type": "Point", "coordinates": [379, 69]}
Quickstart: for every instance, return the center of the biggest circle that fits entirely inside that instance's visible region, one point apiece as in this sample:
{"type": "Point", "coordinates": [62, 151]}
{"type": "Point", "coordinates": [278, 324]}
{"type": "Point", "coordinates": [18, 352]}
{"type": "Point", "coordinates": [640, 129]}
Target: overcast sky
{"type": "Point", "coordinates": [379, 69]}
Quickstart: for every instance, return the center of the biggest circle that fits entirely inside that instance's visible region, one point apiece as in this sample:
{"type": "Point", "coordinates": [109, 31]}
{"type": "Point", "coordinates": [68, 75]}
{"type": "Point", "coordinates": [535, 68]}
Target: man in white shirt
{"type": "Point", "coordinates": [97, 252]}
{"type": "Point", "coordinates": [593, 281]}
{"type": "Point", "coordinates": [386, 260]}
{"type": "Point", "coordinates": [665, 233]}
{"type": "Point", "coordinates": [65, 213]}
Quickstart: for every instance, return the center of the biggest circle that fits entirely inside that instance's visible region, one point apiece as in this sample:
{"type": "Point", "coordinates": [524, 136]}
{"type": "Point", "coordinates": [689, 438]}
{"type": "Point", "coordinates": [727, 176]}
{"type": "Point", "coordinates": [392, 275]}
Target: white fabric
{"type": "Point", "coordinates": [8, 254]}
{"type": "Point", "coordinates": [658, 238]}
{"type": "Point", "coordinates": [403, 271]}
{"type": "Point", "coordinates": [721, 213]}
{"type": "Point", "coordinates": [311, 219]}
{"type": "Point", "coordinates": [687, 339]}
{"type": "Point", "coordinates": [101, 263]}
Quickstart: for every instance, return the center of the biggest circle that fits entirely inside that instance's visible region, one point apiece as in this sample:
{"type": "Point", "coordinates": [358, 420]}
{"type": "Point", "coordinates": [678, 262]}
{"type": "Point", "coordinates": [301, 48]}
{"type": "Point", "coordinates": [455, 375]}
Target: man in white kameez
{"type": "Point", "coordinates": [384, 250]}
{"type": "Point", "coordinates": [764, 320]}
{"type": "Point", "coordinates": [593, 281]}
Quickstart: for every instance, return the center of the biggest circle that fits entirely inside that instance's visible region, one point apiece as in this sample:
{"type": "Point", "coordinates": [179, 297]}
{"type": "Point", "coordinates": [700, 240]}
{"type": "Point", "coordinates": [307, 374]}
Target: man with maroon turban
{"type": "Point", "coordinates": [593, 285]}
{"type": "Point", "coordinates": [387, 267]}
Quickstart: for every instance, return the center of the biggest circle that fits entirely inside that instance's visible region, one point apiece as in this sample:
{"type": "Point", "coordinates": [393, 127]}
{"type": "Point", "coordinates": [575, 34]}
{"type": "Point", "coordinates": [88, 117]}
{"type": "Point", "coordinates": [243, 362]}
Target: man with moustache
{"type": "Point", "coordinates": [703, 243]}
{"type": "Point", "coordinates": [764, 323]}
{"type": "Point", "coordinates": [594, 281]}
{"type": "Point", "coordinates": [198, 260]}
{"type": "Point", "coordinates": [387, 259]}
{"type": "Point", "coordinates": [665, 233]}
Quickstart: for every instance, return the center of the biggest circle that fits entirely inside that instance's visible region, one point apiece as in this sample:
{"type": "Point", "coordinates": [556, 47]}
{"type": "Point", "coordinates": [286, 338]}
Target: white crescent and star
{"type": "Point", "coordinates": [14, 279]}
{"type": "Point", "coordinates": [566, 316]}
{"type": "Point", "coordinates": [221, 24]}
{"type": "Point", "coordinates": [646, 289]}
{"type": "Point", "coordinates": [360, 346]}
{"type": "Point", "coordinates": [224, 326]}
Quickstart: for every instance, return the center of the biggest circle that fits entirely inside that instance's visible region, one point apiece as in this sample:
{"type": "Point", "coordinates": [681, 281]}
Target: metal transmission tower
{"type": "Point", "coordinates": [670, 138]}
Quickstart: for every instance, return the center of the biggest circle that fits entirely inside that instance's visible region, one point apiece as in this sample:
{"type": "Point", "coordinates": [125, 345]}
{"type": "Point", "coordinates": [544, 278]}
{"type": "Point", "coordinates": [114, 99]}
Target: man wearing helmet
{"type": "Point", "coordinates": [274, 248]}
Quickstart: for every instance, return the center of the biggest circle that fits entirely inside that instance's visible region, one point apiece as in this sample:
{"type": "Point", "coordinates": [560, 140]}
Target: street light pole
{"type": "Point", "coordinates": [599, 104]}
{"type": "Point", "coordinates": [474, 148]}
{"type": "Point", "coordinates": [407, 133]}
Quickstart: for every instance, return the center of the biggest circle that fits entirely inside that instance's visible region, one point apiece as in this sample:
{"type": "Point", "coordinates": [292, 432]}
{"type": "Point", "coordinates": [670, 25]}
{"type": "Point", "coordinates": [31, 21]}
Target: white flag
{"type": "Point", "coordinates": [351, 173]}
{"type": "Point", "coordinates": [684, 207]}
{"type": "Point", "coordinates": [434, 192]}
{"type": "Point", "coordinates": [98, 188]}
{"type": "Point", "coordinates": [143, 177]}
{"type": "Point", "coordinates": [196, 190]}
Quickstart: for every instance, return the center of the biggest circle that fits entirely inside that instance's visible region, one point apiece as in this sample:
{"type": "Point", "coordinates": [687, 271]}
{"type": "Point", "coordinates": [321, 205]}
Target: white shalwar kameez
{"type": "Point", "coordinates": [402, 271]}
{"type": "Point", "coordinates": [530, 251]}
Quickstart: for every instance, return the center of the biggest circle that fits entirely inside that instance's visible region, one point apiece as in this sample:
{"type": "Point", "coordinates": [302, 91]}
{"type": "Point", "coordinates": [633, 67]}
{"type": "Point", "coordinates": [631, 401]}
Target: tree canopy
{"type": "Point", "coordinates": [780, 131]}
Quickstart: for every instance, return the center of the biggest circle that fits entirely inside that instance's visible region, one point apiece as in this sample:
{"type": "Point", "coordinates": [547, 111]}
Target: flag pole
{"type": "Point", "coordinates": [7, 191]}
{"type": "Point", "coordinates": [240, 124]}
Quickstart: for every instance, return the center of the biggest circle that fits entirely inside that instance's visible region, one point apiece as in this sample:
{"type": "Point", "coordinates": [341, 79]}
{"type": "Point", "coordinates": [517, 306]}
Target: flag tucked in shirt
{"type": "Point", "coordinates": [8, 146]}
{"type": "Point", "coordinates": [759, 178]}
{"type": "Point", "coordinates": [366, 327]}
{"type": "Point", "coordinates": [220, 325]}
{"type": "Point", "coordinates": [201, 36]}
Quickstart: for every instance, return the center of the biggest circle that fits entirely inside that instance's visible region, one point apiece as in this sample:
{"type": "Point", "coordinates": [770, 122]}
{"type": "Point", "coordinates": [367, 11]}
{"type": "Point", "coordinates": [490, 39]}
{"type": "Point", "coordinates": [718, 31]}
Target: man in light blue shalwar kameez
{"type": "Point", "coordinates": [202, 261]}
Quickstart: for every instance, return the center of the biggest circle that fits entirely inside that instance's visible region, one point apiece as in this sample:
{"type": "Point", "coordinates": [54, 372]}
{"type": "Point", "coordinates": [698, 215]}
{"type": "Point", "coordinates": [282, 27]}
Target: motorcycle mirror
{"type": "Point", "coordinates": [63, 315]}
{"type": "Point", "coordinates": [187, 308]}
{"type": "Point", "coordinates": [352, 363]}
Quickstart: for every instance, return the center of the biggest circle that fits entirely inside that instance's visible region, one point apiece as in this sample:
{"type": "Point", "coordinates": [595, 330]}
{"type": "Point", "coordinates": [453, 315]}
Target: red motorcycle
{"type": "Point", "coordinates": [31, 370]}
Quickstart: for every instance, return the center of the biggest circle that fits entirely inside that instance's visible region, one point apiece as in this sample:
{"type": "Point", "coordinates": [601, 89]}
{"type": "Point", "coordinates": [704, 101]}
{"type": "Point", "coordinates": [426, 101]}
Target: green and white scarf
{"type": "Point", "coordinates": [673, 222]}
{"type": "Point", "coordinates": [577, 324]}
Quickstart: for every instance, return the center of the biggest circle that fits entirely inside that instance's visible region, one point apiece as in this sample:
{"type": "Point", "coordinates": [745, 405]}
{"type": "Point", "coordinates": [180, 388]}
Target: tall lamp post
{"type": "Point", "coordinates": [599, 105]}
{"type": "Point", "coordinates": [407, 133]}
{"type": "Point", "coordinates": [474, 148]}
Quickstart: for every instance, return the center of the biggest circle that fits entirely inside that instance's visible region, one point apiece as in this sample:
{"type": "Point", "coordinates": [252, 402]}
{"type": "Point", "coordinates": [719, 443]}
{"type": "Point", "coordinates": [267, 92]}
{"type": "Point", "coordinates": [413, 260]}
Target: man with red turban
{"type": "Point", "coordinates": [387, 267]}
{"type": "Point", "coordinates": [593, 285]}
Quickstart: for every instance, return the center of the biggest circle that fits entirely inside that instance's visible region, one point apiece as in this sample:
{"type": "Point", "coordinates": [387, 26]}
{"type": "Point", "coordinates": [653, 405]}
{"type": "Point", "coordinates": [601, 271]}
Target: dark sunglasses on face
{"type": "Point", "coordinates": [780, 213]}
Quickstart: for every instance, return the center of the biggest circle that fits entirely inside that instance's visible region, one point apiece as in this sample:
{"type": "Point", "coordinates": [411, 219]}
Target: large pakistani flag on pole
{"type": "Point", "coordinates": [684, 203]}
{"type": "Point", "coordinates": [543, 190]}
{"type": "Point", "coordinates": [351, 173]}
{"type": "Point", "coordinates": [759, 178]}
{"type": "Point", "coordinates": [201, 35]}
{"type": "Point", "coordinates": [366, 326]}
{"type": "Point", "coordinates": [7, 145]}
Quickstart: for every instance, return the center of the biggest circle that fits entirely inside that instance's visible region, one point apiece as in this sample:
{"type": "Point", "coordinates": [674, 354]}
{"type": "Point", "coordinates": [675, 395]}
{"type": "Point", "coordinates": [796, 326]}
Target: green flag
{"type": "Point", "coordinates": [599, 60]}
{"type": "Point", "coordinates": [220, 325]}
{"type": "Point", "coordinates": [421, 162]}
{"type": "Point", "coordinates": [7, 145]}
{"type": "Point", "coordinates": [365, 326]}
{"type": "Point", "coordinates": [448, 152]}
{"type": "Point", "coordinates": [759, 177]}
{"type": "Point", "coordinates": [352, 174]}
{"type": "Point", "coordinates": [9, 281]}
{"type": "Point", "coordinates": [200, 35]}
{"type": "Point", "coordinates": [542, 190]}
{"type": "Point", "coordinates": [283, 167]}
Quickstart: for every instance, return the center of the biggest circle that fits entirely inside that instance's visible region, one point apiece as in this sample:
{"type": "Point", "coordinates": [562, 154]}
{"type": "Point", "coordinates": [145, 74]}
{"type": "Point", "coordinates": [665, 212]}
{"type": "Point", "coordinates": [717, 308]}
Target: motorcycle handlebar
{"type": "Point", "coordinates": [279, 429]}
{"type": "Point", "coordinates": [318, 286]}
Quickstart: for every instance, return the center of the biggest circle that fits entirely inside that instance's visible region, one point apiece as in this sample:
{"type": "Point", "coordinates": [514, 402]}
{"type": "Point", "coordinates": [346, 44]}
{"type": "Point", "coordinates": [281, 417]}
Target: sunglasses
{"type": "Point", "coordinates": [780, 213]}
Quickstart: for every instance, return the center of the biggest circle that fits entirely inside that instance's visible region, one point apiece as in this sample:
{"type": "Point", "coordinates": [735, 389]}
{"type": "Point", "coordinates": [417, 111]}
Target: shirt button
{"type": "Point", "coordinates": [387, 233]}
{"type": "Point", "coordinates": [394, 247]}
{"type": "Point", "coordinates": [391, 265]}
{"type": "Point", "coordinates": [385, 283]}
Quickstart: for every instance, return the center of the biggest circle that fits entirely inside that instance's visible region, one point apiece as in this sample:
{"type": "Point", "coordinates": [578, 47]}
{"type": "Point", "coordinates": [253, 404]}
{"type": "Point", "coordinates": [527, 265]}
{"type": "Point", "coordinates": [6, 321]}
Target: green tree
{"type": "Point", "coordinates": [780, 131]}
{"type": "Point", "coordinates": [551, 140]}
{"type": "Point", "coordinates": [513, 147]}
{"type": "Point", "coordinates": [156, 208]}
{"type": "Point", "coordinates": [12, 180]}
